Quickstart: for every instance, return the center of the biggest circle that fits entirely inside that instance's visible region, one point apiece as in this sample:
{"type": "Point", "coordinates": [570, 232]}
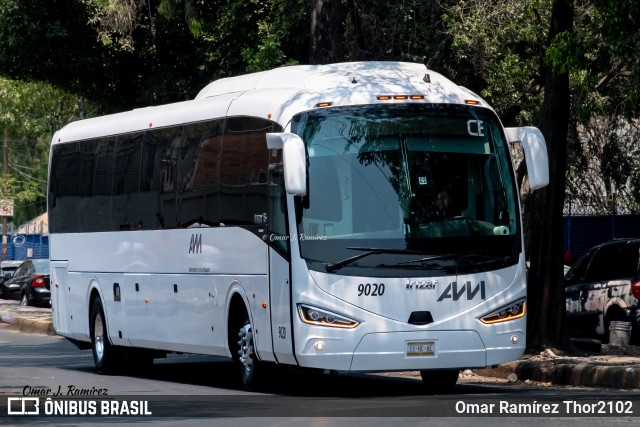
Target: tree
{"type": "Point", "coordinates": [547, 313]}
{"type": "Point", "coordinates": [605, 94]}
{"type": "Point", "coordinates": [222, 38]}
{"type": "Point", "coordinates": [51, 41]}
{"type": "Point", "coordinates": [326, 32]}
{"type": "Point", "coordinates": [406, 31]}
{"type": "Point", "coordinates": [29, 115]}
{"type": "Point", "coordinates": [507, 46]}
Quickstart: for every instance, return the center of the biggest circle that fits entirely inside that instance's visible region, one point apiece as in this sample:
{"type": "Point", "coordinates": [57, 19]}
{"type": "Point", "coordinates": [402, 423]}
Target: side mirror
{"type": "Point", "coordinates": [294, 161]}
{"type": "Point", "coordinates": [535, 154]}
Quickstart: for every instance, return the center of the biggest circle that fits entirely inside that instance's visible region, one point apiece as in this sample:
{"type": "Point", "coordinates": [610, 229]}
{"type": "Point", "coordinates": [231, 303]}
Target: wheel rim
{"type": "Point", "coordinates": [23, 300]}
{"type": "Point", "coordinates": [98, 337]}
{"type": "Point", "coordinates": [245, 350]}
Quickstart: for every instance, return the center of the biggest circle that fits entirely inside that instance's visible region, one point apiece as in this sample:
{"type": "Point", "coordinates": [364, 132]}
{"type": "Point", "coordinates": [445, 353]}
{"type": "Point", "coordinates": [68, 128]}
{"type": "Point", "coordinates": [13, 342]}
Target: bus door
{"type": "Point", "coordinates": [279, 269]}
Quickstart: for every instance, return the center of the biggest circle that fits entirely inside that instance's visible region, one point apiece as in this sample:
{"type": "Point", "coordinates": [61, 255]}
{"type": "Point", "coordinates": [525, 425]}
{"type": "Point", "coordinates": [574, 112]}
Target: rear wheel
{"type": "Point", "coordinates": [105, 356]}
{"type": "Point", "coordinates": [24, 300]}
{"type": "Point", "coordinates": [440, 381]}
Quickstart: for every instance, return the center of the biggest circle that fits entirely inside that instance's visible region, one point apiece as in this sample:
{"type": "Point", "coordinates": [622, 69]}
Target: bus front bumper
{"type": "Point", "coordinates": [400, 351]}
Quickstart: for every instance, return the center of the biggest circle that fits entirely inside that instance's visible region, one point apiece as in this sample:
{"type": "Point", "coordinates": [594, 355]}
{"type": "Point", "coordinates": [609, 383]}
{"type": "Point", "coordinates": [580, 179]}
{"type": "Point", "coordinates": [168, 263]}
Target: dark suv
{"type": "Point", "coordinates": [603, 286]}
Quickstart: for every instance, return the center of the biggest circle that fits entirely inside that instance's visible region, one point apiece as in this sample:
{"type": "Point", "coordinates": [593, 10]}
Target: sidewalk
{"type": "Point", "coordinates": [615, 367]}
{"type": "Point", "coordinates": [26, 319]}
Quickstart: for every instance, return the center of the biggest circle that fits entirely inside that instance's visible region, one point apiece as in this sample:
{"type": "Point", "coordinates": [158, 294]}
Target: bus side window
{"type": "Point", "coordinates": [244, 162]}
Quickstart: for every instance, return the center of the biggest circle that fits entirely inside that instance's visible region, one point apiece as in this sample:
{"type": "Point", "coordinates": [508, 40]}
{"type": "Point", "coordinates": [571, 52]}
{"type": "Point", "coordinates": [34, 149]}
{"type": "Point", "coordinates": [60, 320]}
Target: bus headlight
{"type": "Point", "coordinates": [513, 311]}
{"type": "Point", "coordinates": [320, 317]}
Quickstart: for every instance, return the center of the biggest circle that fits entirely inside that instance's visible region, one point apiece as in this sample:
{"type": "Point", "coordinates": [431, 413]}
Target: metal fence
{"type": "Point", "coordinates": [582, 232]}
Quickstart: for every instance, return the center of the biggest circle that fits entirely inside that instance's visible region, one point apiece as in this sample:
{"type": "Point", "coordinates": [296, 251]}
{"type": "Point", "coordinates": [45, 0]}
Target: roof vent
{"type": "Point", "coordinates": [426, 78]}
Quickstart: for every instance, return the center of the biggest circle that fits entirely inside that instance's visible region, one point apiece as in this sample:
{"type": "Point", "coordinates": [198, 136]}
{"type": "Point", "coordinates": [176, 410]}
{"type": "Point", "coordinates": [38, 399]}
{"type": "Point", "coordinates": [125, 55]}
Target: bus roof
{"type": "Point", "coordinates": [280, 93]}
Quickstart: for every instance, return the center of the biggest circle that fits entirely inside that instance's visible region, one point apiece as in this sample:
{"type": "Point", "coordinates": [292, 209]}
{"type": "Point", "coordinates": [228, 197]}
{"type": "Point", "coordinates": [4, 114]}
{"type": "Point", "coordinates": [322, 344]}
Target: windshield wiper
{"type": "Point", "coordinates": [335, 266]}
{"type": "Point", "coordinates": [454, 256]}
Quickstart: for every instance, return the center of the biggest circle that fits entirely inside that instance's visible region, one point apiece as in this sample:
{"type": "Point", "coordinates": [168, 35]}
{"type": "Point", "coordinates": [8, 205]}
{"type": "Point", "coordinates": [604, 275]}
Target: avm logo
{"type": "Point", "coordinates": [195, 247]}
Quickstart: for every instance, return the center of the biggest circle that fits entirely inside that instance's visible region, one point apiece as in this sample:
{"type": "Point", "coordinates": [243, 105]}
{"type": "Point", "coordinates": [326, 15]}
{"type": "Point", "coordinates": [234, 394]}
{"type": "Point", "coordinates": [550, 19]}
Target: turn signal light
{"type": "Point", "coordinates": [399, 97]}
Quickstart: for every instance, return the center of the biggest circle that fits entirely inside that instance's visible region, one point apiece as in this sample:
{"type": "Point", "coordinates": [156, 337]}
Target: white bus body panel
{"type": "Point", "coordinates": [146, 118]}
{"type": "Point", "coordinates": [181, 306]}
{"type": "Point", "coordinates": [379, 342]}
{"type": "Point", "coordinates": [283, 92]}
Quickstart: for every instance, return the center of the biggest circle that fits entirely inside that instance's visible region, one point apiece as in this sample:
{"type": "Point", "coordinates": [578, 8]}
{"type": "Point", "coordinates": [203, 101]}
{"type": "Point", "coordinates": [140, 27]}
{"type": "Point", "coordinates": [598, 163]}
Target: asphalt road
{"type": "Point", "coordinates": [199, 390]}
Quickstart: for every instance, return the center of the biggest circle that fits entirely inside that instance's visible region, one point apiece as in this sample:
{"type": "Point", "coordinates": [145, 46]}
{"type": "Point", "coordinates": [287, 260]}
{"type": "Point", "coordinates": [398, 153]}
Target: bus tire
{"type": "Point", "coordinates": [245, 356]}
{"type": "Point", "coordinates": [439, 381]}
{"type": "Point", "coordinates": [105, 355]}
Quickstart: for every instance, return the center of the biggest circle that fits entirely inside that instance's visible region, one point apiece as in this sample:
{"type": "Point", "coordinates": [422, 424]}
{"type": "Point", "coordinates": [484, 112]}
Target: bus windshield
{"type": "Point", "coordinates": [398, 180]}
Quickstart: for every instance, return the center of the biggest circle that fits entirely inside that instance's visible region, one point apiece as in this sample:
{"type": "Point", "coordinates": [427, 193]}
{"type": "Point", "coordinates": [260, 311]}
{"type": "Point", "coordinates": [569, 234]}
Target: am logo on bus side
{"type": "Point", "coordinates": [195, 246]}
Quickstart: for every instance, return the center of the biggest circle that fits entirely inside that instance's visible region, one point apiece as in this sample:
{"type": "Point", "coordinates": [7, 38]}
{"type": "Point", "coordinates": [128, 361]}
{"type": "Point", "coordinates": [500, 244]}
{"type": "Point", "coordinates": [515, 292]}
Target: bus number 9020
{"type": "Point", "coordinates": [371, 289]}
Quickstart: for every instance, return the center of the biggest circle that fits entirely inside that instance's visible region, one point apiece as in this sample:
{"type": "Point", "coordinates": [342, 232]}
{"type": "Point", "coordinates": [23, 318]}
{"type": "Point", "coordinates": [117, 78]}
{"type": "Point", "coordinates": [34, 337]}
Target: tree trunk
{"type": "Point", "coordinates": [326, 32]}
{"type": "Point", "coordinates": [547, 310]}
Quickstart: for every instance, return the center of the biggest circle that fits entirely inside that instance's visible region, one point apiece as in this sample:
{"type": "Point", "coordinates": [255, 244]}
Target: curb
{"type": "Point", "coordinates": [33, 326]}
{"type": "Point", "coordinates": [569, 372]}
{"type": "Point", "coordinates": [27, 324]}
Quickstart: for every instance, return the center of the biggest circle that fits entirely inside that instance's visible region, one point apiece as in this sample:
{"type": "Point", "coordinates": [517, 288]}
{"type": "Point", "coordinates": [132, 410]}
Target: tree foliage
{"type": "Point", "coordinates": [499, 48]}
{"type": "Point", "coordinates": [505, 45]}
{"type": "Point", "coordinates": [29, 115]}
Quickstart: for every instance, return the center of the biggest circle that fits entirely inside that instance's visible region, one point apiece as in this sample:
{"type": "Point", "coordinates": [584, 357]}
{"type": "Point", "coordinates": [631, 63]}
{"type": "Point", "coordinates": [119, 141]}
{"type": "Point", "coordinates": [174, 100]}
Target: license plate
{"type": "Point", "coordinates": [421, 348]}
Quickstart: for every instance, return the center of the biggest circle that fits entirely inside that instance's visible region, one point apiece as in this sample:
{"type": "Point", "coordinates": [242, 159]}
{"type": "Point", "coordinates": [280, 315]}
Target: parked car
{"type": "Point", "coordinates": [29, 283]}
{"type": "Point", "coordinates": [7, 268]}
{"type": "Point", "coordinates": [604, 286]}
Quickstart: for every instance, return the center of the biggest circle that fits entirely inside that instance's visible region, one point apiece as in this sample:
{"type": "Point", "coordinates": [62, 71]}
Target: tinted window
{"type": "Point", "coordinates": [184, 176]}
{"type": "Point", "coordinates": [622, 262]}
{"type": "Point", "coordinates": [600, 268]}
{"type": "Point", "coordinates": [244, 163]}
{"type": "Point", "coordinates": [24, 269]}
{"type": "Point", "coordinates": [578, 272]}
{"type": "Point", "coordinates": [615, 261]}
{"type": "Point", "coordinates": [415, 177]}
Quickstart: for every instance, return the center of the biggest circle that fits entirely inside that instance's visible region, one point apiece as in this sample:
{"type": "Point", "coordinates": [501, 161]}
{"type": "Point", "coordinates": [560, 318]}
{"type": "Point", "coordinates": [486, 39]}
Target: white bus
{"type": "Point", "coordinates": [354, 217]}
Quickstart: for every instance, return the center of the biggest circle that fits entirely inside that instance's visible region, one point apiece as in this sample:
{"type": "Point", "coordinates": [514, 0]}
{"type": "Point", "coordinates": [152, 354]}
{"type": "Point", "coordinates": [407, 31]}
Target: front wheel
{"type": "Point", "coordinates": [440, 381]}
{"type": "Point", "coordinates": [246, 355]}
{"type": "Point", "coordinates": [105, 356]}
